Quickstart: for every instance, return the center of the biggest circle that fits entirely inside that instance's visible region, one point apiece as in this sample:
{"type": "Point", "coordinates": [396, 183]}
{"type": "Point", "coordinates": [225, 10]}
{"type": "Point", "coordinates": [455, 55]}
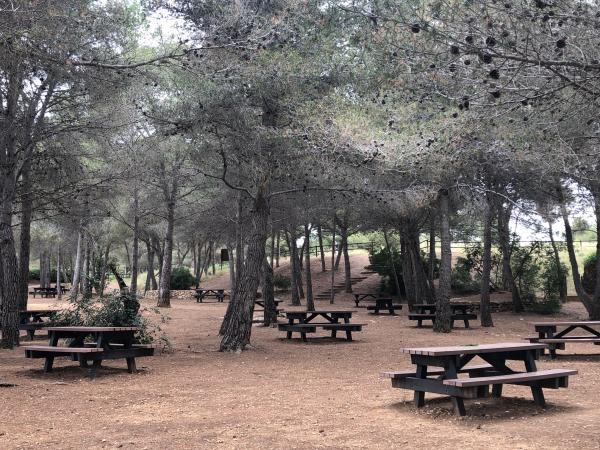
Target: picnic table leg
{"type": "Point", "coordinates": [348, 335]}
{"type": "Point", "coordinates": [53, 341]}
{"type": "Point", "coordinates": [419, 396]}
{"type": "Point", "coordinates": [457, 402]}
{"type": "Point", "coordinates": [538, 393]}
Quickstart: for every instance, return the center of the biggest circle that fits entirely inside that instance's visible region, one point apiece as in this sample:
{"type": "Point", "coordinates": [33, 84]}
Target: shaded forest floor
{"type": "Point", "coordinates": [289, 394]}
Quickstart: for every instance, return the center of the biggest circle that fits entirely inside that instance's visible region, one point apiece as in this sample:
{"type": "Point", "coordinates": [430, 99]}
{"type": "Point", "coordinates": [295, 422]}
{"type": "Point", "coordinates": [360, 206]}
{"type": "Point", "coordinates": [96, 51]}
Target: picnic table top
{"type": "Point", "coordinates": [92, 329]}
{"type": "Point", "coordinates": [430, 305]}
{"type": "Point", "coordinates": [472, 349]}
{"type": "Point", "coordinates": [38, 311]}
{"type": "Point", "coordinates": [209, 289]}
{"type": "Point", "coordinates": [567, 323]}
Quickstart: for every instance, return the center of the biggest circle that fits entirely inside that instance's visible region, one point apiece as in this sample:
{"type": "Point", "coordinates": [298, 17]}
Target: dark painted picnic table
{"type": "Point", "coordinates": [426, 311]}
{"type": "Point", "coordinates": [261, 302]}
{"type": "Point", "coordinates": [302, 322]}
{"type": "Point", "coordinates": [384, 304]}
{"type": "Point", "coordinates": [106, 343]}
{"type": "Point", "coordinates": [33, 319]}
{"type": "Point", "coordinates": [548, 333]}
{"type": "Point", "coordinates": [453, 360]}
{"type": "Point", "coordinates": [201, 294]}
{"type": "Point", "coordinates": [358, 297]}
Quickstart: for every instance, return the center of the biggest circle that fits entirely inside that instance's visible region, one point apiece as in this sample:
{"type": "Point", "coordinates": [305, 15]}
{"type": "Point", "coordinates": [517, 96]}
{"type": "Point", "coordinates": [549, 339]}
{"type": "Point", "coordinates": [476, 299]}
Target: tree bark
{"type": "Point", "coordinates": [310, 304]}
{"type": "Point", "coordinates": [291, 239]}
{"type": "Point", "coordinates": [164, 291]}
{"type": "Point", "coordinates": [590, 303]}
{"type": "Point", "coordinates": [75, 281]}
{"type": "Point", "coordinates": [9, 281]}
{"type": "Point", "coordinates": [392, 264]}
{"type": "Point", "coordinates": [559, 272]}
{"type": "Point", "coordinates": [505, 247]}
{"type": "Point", "coordinates": [332, 292]}
{"type": "Point", "coordinates": [443, 322]}
{"type": "Point", "coordinates": [270, 313]}
{"type": "Point", "coordinates": [484, 308]}
{"type": "Point", "coordinates": [277, 249]}
{"type": "Point", "coordinates": [237, 326]}
{"type": "Point", "coordinates": [231, 268]}
{"type": "Point", "coordinates": [347, 268]}
{"type": "Point", "coordinates": [321, 250]}
{"type": "Point", "coordinates": [432, 255]}
{"type": "Point", "coordinates": [135, 248]}
{"type": "Point", "coordinates": [25, 236]}
{"type": "Point", "coordinates": [104, 270]}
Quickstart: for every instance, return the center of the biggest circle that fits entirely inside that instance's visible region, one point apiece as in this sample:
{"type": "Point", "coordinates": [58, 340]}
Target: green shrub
{"type": "Point", "coordinates": [547, 306]}
{"type": "Point", "coordinates": [34, 274]}
{"type": "Point", "coordinates": [588, 280]}
{"type": "Point", "coordinates": [461, 280]}
{"type": "Point", "coordinates": [182, 279]}
{"type": "Point", "coordinates": [117, 310]}
{"type": "Point", "coordinates": [281, 282]}
{"type": "Point", "coordinates": [380, 262]}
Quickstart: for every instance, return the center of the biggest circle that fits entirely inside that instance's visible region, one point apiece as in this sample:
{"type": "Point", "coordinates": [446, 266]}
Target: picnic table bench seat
{"type": "Point", "coordinates": [437, 372]}
{"type": "Point", "coordinates": [558, 377]}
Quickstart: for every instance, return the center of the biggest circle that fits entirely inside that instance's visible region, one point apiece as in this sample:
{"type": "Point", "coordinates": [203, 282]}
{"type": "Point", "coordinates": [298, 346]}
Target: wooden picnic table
{"type": "Point", "coordinates": [201, 294]}
{"type": "Point", "coordinates": [358, 297]}
{"type": "Point", "coordinates": [33, 319]}
{"type": "Point", "coordinates": [426, 311]}
{"type": "Point", "coordinates": [108, 343]}
{"type": "Point", "coordinates": [385, 304]}
{"type": "Point", "coordinates": [332, 323]}
{"type": "Point", "coordinates": [261, 302]}
{"type": "Point", "coordinates": [548, 333]}
{"type": "Point", "coordinates": [453, 360]}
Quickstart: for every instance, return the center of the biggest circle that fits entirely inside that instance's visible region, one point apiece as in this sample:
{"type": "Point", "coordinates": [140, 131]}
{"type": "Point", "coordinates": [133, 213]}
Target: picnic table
{"type": "Point", "coordinates": [548, 333]}
{"type": "Point", "coordinates": [33, 319]}
{"type": "Point", "coordinates": [201, 294]}
{"type": "Point", "coordinates": [358, 297]}
{"type": "Point", "coordinates": [426, 311]}
{"type": "Point", "coordinates": [385, 304]}
{"type": "Point", "coordinates": [332, 323]}
{"type": "Point", "coordinates": [106, 343]}
{"type": "Point", "coordinates": [452, 361]}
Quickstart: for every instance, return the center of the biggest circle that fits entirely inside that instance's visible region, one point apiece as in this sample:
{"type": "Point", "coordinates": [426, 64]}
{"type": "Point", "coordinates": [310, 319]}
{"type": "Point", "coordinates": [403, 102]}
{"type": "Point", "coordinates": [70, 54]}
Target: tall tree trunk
{"type": "Point", "coordinates": [164, 291]}
{"type": "Point", "coordinates": [310, 304]}
{"type": "Point", "coordinates": [432, 255]}
{"type": "Point", "coordinates": [505, 247]}
{"type": "Point", "coordinates": [25, 236]}
{"type": "Point", "coordinates": [150, 278]}
{"type": "Point", "coordinates": [443, 313]}
{"type": "Point", "coordinates": [392, 264]}
{"type": "Point", "coordinates": [9, 281]}
{"type": "Point", "coordinates": [407, 270]}
{"type": "Point", "coordinates": [332, 292]}
{"type": "Point", "coordinates": [85, 278]}
{"type": "Point", "coordinates": [270, 313]}
{"type": "Point", "coordinates": [104, 269]}
{"type": "Point", "coordinates": [277, 249]}
{"type": "Point", "coordinates": [590, 302]}
{"type": "Point", "coordinates": [75, 281]}
{"type": "Point", "coordinates": [237, 325]}
{"type": "Point", "coordinates": [485, 310]}
{"type": "Point", "coordinates": [290, 237]}
{"type": "Point", "coordinates": [231, 268]}
{"type": "Point", "coordinates": [321, 250]}
{"type": "Point", "coordinates": [347, 268]}
{"type": "Point", "coordinates": [58, 273]}
{"type": "Point", "coordinates": [272, 247]}
{"type": "Point", "coordinates": [135, 248]}
{"type": "Point", "coordinates": [559, 268]}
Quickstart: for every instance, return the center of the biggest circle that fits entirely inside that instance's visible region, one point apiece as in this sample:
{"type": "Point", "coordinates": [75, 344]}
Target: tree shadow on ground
{"type": "Point", "coordinates": [496, 409]}
{"type": "Point", "coordinates": [75, 373]}
{"type": "Point", "coordinates": [319, 340]}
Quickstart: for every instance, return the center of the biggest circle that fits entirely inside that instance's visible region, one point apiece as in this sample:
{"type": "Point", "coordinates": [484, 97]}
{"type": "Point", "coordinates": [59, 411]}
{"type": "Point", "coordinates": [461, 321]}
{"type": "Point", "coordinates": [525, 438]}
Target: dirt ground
{"type": "Point", "coordinates": [289, 394]}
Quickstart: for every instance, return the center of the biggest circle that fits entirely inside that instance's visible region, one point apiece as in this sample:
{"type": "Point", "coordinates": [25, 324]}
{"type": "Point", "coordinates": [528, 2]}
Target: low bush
{"type": "Point", "coordinates": [281, 282]}
{"type": "Point", "coordinates": [462, 281]}
{"type": "Point", "coordinates": [115, 310]}
{"type": "Point", "coordinates": [182, 279]}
